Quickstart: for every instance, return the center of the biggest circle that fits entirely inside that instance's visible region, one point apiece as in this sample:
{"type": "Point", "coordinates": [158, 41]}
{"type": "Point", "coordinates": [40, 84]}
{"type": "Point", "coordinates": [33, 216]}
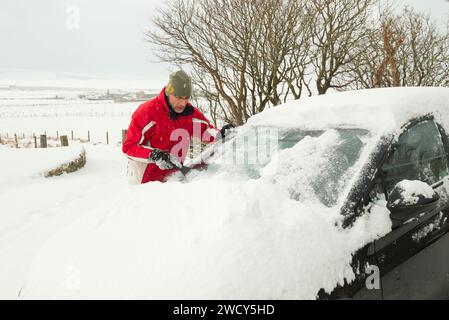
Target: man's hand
{"type": "Point", "coordinates": [162, 159]}
{"type": "Point", "coordinates": [224, 130]}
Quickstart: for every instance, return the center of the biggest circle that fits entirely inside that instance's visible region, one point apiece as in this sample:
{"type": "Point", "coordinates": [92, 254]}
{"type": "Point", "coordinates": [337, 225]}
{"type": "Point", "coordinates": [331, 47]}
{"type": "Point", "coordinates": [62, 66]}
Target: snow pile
{"type": "Point", "coordinates": [32, 210]}
{"type": "Point", "coordinates": [246, 241]}
{"type": "Point", "coordinates": [412, 190]}
{"type": "Point", "coordinates": [17, 165]}
{"type": "Point", "coordinates": [220, 236]}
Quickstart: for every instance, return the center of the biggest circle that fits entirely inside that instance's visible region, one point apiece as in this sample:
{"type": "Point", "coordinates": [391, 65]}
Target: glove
{"type": "Point", "coordinates": [162, 159]}
{"type": "Point", "coordinates": [224, 130]}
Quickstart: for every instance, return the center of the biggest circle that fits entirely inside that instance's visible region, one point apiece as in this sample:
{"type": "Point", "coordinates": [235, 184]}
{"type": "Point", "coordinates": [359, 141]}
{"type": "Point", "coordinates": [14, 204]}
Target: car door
{"type": "Point", "coordinates": [413, 259]}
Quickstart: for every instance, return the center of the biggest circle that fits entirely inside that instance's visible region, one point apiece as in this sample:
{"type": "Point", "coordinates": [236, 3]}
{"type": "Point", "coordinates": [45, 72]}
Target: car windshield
{"type": "Point", "coordinates": [310, 164]}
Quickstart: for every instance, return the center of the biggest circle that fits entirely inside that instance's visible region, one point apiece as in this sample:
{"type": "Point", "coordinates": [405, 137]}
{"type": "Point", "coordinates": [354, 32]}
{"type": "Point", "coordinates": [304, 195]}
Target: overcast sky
{"type": "Point", "coordinates": [34, 35]}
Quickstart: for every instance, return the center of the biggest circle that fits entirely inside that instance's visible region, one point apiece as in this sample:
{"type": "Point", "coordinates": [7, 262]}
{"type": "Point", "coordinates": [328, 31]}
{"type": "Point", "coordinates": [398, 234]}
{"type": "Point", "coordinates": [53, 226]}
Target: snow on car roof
{"type": "Point", "coordinates": [377, 110]}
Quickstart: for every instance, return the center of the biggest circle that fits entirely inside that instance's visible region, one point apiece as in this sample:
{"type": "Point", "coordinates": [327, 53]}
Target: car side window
{"type": "Point", "coordinates": [419, 154]}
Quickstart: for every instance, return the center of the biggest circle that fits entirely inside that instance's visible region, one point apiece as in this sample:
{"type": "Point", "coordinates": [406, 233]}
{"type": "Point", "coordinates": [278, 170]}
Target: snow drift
{"type": "Point", "coordinates": [17, 165]}
{"type": "Point", "coordinates": [220, 236]}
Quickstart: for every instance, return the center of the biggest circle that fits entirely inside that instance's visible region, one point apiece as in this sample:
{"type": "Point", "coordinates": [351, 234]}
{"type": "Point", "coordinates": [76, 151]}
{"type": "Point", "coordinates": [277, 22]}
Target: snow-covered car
{"type": "Point", "coordinates": [337, 196]}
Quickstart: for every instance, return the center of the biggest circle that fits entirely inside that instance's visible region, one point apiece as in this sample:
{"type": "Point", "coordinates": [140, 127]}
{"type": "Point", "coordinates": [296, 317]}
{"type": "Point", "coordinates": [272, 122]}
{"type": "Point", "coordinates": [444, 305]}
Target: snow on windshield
{"type": "Point", "coordinates": [311, 165]}
{"type": "Point", "coordinates": [244, 234]}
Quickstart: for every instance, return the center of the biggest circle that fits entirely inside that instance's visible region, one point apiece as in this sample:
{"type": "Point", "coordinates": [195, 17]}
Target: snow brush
{"type": "Point", "coordinates": [175, 163]}
{"type": "Point", "coordinates": [184, 170]}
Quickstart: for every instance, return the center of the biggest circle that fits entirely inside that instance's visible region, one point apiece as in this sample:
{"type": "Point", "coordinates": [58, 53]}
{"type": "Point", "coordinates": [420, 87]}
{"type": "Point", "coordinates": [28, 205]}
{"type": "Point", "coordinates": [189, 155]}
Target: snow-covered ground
{"type": "Point", "coordinates": [35, 102]}
{"type": "Point", "coordinates": [22, 167]}
{"type": "Point", "coordinates": [18, 165]}
{"type": "Point", "coordinates": [37, 112]}
{"type": "Point", "coordinates": [33, 207]}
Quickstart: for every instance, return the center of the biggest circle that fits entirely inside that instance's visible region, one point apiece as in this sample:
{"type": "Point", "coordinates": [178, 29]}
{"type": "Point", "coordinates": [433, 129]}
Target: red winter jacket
{"type": "Point", "coordinates": [155, 125]}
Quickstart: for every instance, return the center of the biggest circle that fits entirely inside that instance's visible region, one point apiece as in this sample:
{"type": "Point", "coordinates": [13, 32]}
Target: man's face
{"type": "Point", "coordinates": [178, 103]}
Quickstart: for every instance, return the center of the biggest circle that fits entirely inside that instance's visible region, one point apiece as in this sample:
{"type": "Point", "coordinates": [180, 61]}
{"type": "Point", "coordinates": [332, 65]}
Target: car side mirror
{"type": "Point", "coordinates": [410, 199]}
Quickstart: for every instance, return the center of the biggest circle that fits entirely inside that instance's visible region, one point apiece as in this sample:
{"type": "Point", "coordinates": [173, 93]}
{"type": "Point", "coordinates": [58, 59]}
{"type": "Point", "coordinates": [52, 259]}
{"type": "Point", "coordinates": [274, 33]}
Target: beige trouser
{"type": "Point", "coordinates": [135, 171]}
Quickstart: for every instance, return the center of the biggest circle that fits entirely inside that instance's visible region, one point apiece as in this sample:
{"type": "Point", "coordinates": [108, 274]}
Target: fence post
{"type": "Point", "coordinates": [72, 135]}
{"type": "Point", "coordinates": [43, 142]}
{"type": "Point", "coordinates": [17, 141]}
{"type": "Point", "coordinates": [107, 137]}
{"type": "Point", "coordinates": [88, 136]}
{"type": "Point", "coordinates": [124, 136]}
{"type": "Point", "coordinates": [64, 141]}
{"type": "Point", "coordinates": [35, 140]}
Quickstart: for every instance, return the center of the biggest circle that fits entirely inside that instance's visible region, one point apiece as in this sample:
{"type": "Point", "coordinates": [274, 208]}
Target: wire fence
{"type": "Point", "coordinates": [56, 139]}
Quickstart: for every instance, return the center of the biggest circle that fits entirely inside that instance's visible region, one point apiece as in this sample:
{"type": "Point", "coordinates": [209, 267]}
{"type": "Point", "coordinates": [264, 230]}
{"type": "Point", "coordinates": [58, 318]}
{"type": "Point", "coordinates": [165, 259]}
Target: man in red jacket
{"type": "Point", "coordinates": [160, 131]}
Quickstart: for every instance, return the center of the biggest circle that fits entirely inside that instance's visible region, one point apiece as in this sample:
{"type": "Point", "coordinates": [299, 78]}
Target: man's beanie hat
{"type": "Point", "coordinates": [180, 84]}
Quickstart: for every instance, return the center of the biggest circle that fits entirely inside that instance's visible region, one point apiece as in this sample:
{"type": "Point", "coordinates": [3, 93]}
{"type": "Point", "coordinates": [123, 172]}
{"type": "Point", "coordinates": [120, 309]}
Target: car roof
{"type": "Point", "coordinates": [378, 110]}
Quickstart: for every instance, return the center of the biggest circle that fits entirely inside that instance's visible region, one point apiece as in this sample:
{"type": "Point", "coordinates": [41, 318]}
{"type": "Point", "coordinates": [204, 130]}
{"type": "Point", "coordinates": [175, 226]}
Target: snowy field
{"type": "Point", "coordinates": [33, 106]}
{"type": "Point", "coordinates": [37, 112]}
{"type": "Point", "coordinates": [33, 208]}
{"type": "Point", "coordinates": [61, 111]}
{"type": "Point", "coordinates": [25, 163]}
{"type": "Point", "coordinates": [35, 102]}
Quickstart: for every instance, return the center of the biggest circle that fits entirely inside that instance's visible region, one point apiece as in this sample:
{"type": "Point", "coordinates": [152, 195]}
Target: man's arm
{"type": "Point", "coordinates": [208, 132]}
{"type": "Point", "coordinates": [133, 146]}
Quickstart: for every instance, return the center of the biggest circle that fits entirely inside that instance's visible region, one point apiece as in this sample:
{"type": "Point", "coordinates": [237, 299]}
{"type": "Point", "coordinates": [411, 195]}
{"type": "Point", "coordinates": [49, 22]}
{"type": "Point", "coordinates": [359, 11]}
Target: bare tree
{"type": "Point", "coordinates": [280, 54]}
{"type": "Point", "coordinates": [425, 54]}
{"type": "Point", "coordinates": [392, 41]}
{"type": "Point", "coordinates": [337, 32]}
{"type": "Point", "coordinates": [248, 55]}
{"type": "Point", "coordinates": [405, 49]}
{"type": "Point", "coordinates": [243, 52]}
